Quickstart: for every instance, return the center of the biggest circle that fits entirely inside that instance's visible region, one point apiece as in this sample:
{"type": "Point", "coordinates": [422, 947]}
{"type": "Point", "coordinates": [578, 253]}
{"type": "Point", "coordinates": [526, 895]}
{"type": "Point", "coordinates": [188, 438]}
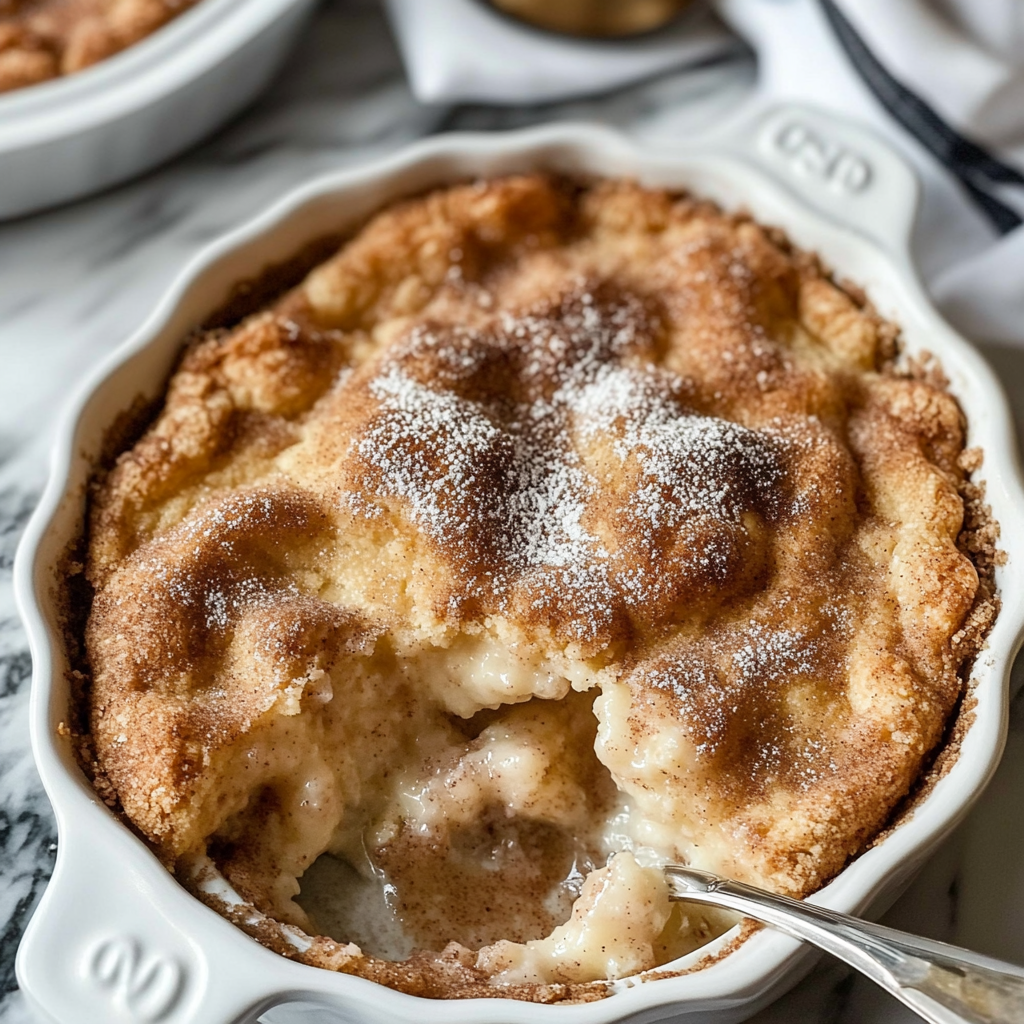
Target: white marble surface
{"type": "Point", "coordinates": [76, 281]}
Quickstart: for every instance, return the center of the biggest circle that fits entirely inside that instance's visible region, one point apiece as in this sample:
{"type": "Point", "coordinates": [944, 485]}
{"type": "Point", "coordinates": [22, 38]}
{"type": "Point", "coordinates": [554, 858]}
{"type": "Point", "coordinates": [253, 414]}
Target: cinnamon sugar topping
{"type": "Point", "coordinates": [485, 434]}
{"type": "Point", "coordinates": [544, 533]}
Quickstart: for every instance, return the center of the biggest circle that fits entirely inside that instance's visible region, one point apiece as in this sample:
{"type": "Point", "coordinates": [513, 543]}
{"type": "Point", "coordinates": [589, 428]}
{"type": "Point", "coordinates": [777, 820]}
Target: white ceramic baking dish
{"type": "Point", "coordinates": [115, 938]}
{"type": "Point", "coordinates": [71, 136]}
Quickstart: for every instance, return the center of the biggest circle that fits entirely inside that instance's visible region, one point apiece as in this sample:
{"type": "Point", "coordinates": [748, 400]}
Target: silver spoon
{"type": "Point", "coordinates": [942, 983]}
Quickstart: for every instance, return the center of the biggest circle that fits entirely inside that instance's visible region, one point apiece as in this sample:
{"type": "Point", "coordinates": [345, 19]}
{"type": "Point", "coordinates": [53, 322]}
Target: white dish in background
{"type": "Point", "coordinates": [70, 136]}
{"type": "Point", "coordinates": [115, 937]}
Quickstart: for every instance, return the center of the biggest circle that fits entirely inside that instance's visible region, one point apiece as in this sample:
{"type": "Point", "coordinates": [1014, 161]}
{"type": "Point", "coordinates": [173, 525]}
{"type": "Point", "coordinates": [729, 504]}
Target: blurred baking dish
{"type": "Point", "coordinates": [74, 135]}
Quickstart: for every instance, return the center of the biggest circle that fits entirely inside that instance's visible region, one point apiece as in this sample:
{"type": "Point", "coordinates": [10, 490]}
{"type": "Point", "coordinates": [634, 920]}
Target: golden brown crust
{"type": "Point", "coordinates": [649, 447]}
{"type": "Point", "coordinates": [44, 39]}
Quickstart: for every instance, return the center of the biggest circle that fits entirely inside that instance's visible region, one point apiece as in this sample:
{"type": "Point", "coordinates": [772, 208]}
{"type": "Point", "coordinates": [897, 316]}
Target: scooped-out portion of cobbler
{"type": "Point", "coordinates": [547, 532]}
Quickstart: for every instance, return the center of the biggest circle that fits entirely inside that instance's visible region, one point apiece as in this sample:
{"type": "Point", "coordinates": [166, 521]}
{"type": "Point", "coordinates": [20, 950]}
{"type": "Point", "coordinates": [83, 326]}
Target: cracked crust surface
{"type": "Point", "coordinates": [592, 482]}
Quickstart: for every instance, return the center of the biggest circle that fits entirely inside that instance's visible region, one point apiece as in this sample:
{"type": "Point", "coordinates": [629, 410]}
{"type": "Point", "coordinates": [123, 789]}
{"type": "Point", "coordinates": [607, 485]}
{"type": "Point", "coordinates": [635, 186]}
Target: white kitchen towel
{"type": "Point", "coordinates": [943, 80]}
{"type": "Point", "coordinates": [462, 51]}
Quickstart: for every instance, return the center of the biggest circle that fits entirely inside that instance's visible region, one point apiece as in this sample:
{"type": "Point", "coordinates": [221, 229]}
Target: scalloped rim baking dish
{"type": "Point", "coordinates": [65, 138]}
{"type": "Point", "coordinates": [115, 937]}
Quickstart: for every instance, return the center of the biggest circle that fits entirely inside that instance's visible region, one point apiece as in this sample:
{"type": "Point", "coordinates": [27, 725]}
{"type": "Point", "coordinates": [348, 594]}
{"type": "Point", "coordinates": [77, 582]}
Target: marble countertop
{"type": "Point", "coordinates": [76, 281]}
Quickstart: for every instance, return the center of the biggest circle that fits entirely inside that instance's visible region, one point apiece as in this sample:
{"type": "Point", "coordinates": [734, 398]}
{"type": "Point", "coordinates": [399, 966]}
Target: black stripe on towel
{"type": "Point", "coordinates": [977, 169]}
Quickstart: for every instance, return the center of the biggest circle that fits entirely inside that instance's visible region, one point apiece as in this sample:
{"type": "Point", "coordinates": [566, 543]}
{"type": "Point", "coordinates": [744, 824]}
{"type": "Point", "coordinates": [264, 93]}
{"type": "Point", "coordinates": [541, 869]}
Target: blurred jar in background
{"type": "Point", "coordinates": [596, 18]}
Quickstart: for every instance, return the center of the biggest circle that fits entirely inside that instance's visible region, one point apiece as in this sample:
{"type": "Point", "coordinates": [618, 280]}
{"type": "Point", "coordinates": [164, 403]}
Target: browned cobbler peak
{"type": "Point", "coordinates": [545, 532]}
{"type": "Point", "coordinates": [556, 467]}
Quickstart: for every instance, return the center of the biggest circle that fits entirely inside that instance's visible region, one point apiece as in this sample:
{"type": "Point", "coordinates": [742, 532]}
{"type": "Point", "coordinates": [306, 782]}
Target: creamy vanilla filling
{"type": "Point", "coordinates": [454, 794]}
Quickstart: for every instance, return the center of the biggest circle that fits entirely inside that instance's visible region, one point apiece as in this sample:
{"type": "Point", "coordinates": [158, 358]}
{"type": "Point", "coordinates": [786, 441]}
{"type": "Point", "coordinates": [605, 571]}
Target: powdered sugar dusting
{"type": "Point", "coordinates": [484, 436]}
{"type": "Point", "coordinates": [689, 464]}
{"type": "Point", "coordinates": [774, 654]}
{"type": "Point", "coordinates": [732, 687]}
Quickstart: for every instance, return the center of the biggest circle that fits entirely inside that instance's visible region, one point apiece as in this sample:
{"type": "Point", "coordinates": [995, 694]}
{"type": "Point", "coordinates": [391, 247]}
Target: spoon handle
{"type": "Point", "coordinates": [942, 983]}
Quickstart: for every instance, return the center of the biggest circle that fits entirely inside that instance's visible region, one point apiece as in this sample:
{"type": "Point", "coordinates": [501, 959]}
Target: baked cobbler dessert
{"type": "Point", "coordinates": [44, 39]}
{"type": "Point", "coordinates": [547, 532]}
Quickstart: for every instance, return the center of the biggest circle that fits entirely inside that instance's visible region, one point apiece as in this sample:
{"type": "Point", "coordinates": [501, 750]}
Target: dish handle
{"type": "Point", "coordinates": [110, 944]}
{"type": "Point", "coordinates": [840, 168]}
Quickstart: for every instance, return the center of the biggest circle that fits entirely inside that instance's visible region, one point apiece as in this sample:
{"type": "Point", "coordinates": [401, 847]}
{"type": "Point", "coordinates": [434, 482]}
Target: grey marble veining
{"type": "Point", "coordinates": [77, 281]}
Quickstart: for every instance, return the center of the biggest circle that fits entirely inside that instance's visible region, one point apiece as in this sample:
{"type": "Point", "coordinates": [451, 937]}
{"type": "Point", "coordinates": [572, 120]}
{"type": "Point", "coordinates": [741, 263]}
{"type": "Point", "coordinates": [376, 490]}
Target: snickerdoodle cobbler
{"type": "Point", "coordinates": [45, 39]}
{"type": "Point", "coordinates": [547, 532]}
